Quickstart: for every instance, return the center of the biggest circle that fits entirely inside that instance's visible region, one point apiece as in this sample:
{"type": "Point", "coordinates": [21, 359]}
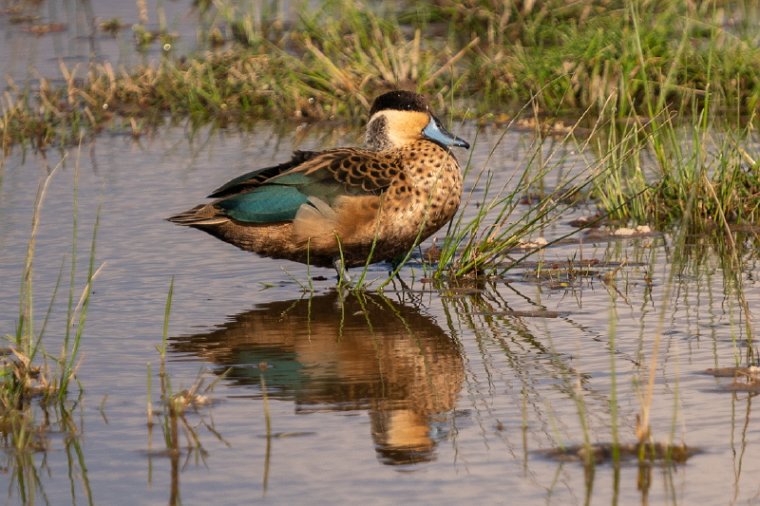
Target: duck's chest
{"type": "Point", "coordinates": [427, 192]}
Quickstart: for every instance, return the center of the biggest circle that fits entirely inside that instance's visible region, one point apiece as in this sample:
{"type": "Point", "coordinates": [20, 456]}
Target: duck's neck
{"type": "Point", "coordinates": [377, 138]}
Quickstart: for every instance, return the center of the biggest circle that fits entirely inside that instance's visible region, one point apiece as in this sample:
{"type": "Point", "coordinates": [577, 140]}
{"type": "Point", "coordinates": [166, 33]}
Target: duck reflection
{"type": "Point", "coordinates": [361, 352]}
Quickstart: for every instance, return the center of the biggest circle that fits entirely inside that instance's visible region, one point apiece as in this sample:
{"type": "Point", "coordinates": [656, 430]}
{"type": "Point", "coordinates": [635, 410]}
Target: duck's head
{"type": "Point", "coordinates": [398, 118]}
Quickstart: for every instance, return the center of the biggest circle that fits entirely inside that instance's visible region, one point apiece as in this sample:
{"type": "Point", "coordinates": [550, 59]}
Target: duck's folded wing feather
{"type": "Point", "coordinates": [265, 204]}
{"type": "Point", "coordinates": [257, 177]}
{"type": "Point", "coordinates": [359, 170]}
{"type": "Point", "coordinates": [322, 177]}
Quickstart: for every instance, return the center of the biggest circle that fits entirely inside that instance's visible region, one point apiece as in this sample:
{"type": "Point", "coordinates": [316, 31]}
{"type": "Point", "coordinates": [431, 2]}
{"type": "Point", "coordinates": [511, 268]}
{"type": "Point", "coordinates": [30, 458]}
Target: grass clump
{"type": "Point", "coordinates": [172, 411]}
{"type": "Point", "coordinates": [37, 384]}
{"type": "Point", "coordinates": [24, 380]}
{"type": "Point", "coordinates": [645, 52]}
{"type": "Point", "coordinates": [665, 174]}
{"type": "Point", "coordinates": [327, 63]}
{"type": "Point", "coordinates": [493, 241]}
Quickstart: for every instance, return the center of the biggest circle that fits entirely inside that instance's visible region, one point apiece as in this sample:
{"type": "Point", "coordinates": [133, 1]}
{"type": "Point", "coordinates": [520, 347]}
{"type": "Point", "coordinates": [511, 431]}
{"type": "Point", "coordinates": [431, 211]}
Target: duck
{"type": "Point", "coordinates": [347, 206]}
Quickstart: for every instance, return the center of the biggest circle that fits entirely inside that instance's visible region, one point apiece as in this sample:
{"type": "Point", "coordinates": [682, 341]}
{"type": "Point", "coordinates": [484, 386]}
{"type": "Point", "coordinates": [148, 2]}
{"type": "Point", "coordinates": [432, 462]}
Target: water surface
{"type": "Point", "coordinates": [414, 395]}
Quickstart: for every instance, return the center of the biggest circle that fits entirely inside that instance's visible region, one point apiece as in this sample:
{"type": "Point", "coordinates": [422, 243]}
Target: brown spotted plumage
{"type": "Point", "coordinates": [379, 200]}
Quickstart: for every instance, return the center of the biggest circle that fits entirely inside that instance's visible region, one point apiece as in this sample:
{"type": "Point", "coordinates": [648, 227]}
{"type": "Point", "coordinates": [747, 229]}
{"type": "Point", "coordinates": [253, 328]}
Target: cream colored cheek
{"type": "Point", "coordinates": [401, 138]}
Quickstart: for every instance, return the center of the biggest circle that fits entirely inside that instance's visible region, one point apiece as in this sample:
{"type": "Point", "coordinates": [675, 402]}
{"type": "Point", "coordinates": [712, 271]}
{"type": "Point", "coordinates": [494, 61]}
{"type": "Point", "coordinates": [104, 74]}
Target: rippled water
{"type": "Point", "coordinates": [415, 395]}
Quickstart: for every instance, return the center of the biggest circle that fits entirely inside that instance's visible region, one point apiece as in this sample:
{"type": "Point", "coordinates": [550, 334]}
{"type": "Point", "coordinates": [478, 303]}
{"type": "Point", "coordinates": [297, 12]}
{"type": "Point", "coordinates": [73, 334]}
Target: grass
{"type": "Point", "coordinates": [675, 171]}
{"type": "Point", "coordinates": [485, 244]}
{"type": "Point", "coordinates": [330, 60]}
{"type": "Point", "coordinates": [35, 384]}
{"type": "Point", "coordinates": [689, 174]}
{"type": "Point", "coordinates": [27, 380]}
{"type": "Point", "coordinates": [712, 202]}
{"type": "Point", "coordinates": [172, 411]}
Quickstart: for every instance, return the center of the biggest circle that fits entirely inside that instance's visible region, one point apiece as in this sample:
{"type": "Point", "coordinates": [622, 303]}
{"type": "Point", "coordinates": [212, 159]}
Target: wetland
{"type": "Point", "coordinates": [583, 331]}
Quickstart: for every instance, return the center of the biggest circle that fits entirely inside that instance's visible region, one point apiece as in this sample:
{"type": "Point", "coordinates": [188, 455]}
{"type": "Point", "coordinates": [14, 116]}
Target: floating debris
{"type": "Point", "coordinates": [538, 313]}
{"type": "Point", "coordinates": [190, 397]}
{"type": "Point", "coordinates": [597, 234]}
{"type": "Point", "coordinates": [433, 253]}
{"type": "Point", "coordinates": [590, 221]}
{"type": "Point", "coordinates": [745, 379]}
{"type": "Point", "coordinates": [643, 453]}
{"type": "Point", "coordinates": [112, 26]}
{"type": "Point", "coordinates": [18, 19]}
{"type": "Point", "coordinates": [536, 243]}
{"type": "Point", "coordinates": [31, 379]}
{"type": "Point", "coordinates": [627, 232]}
{"type": "Point", "coordinates": [284, 435]}
{"type": "Point", "coordinates": [46, 28]}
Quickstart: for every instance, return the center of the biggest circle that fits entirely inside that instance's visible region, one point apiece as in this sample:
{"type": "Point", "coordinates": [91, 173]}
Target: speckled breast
{"type": "Point", "coordinates": [425, 196]}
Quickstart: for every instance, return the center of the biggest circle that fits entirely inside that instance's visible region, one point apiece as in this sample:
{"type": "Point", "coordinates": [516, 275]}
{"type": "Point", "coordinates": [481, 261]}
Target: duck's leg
{"type": "Point", "coordinates": [343, 276]}
{"type": "Point", "coordinates": [404, 286]}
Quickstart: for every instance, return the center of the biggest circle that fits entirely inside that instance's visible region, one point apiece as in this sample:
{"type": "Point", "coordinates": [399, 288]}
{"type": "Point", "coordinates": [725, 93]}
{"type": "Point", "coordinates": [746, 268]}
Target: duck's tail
{"type": "Point", "coordinates": [199, 216]}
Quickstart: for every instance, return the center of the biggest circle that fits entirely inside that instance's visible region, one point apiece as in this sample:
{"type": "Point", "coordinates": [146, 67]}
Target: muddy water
{"type": "Point", "coordinates": [417, 395]}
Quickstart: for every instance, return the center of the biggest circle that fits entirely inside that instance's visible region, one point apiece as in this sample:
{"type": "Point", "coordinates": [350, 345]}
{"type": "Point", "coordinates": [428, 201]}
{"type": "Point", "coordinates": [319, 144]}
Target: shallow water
{"type": "Point", "coordinates": [38, 36]}
{"type": "Point", "coordinates": [416, 395]}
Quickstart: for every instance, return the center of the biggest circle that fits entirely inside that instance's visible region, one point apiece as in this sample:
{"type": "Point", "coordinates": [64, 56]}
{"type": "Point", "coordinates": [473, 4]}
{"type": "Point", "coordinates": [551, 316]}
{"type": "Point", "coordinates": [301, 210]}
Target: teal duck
{"type": "Point", "coordinates": [357, 205]}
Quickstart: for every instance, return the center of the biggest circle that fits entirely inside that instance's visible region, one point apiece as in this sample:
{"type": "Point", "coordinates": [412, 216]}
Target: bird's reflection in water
{"type": "Point", "coordinates": [332, 353]}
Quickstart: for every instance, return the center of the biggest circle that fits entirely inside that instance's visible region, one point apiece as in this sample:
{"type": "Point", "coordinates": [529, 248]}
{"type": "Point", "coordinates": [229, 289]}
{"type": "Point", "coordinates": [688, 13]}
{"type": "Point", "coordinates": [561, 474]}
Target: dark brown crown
{"type": "Point", "coordinates": [399, 100]}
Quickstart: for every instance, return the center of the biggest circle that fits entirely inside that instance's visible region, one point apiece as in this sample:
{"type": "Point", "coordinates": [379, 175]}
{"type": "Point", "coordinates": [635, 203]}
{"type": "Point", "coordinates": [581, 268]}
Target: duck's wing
{"type": "Point", "coordinates": [319, 180]}
{"type": "Point", "coordinates": [358, 170]}
{"type": "Point", "coordinates": [257, 177]}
